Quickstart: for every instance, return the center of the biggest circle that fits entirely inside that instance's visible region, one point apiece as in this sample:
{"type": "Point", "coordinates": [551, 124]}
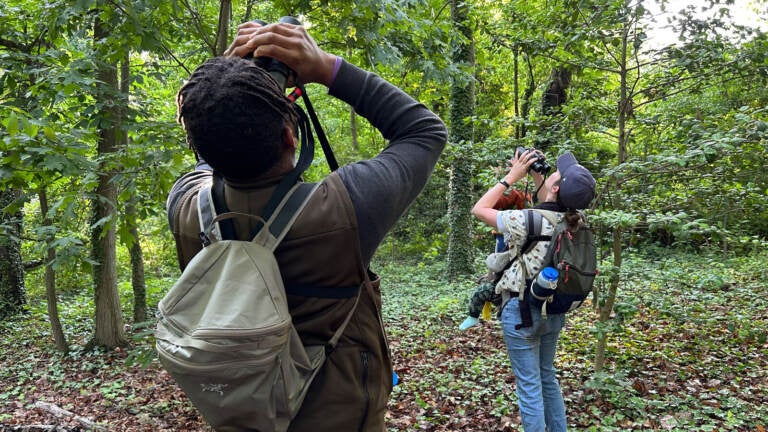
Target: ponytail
{"type": "Point", "coordinates": [573, 219]}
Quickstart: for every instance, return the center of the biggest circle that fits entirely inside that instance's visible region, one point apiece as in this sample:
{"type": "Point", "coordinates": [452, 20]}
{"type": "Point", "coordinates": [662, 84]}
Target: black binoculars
{"type": "Point", "coordinates": [277, 69]}
{"type": "Point", "coordinates": [540, 164]}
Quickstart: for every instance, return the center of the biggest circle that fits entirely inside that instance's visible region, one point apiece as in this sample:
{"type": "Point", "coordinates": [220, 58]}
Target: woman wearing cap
{"type": "Point", "coordinates": [532, 348]}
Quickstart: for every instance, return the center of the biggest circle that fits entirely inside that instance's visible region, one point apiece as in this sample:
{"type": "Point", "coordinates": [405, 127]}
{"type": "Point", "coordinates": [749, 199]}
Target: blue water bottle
{"type": "Point", "coordinates": [545, 283]}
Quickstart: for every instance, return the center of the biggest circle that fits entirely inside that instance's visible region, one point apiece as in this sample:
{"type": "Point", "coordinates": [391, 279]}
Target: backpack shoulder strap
{"type": "Point", "coordinates": [210, 204]}
{"type": "Point", "coordinates": [277, 227]}
{"type": "Point", "coordinates": [552, 217]}
{"type": "Point", "coordinates": [212, 220]}
{"type": "Point", "coordinates": [286, 212]}
{"type": "Point", "coordinates": [206, 213]}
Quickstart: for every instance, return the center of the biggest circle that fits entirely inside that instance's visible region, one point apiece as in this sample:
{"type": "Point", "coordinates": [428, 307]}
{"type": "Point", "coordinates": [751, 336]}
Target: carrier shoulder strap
{"type": "Point", "coordinates": [533, 235]}
{"type": "Point", "coordinates": [533, 226]}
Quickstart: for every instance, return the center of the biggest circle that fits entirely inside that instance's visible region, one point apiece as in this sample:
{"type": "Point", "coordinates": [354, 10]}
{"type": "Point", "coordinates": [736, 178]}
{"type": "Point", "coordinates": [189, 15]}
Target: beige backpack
{"type": "Point", "coordinates": [225, 332]}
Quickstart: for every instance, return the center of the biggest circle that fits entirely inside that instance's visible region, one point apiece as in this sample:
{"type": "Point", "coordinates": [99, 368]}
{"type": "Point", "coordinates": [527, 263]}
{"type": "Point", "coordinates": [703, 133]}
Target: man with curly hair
{"type": "Point", "coordinates": [242, 127]}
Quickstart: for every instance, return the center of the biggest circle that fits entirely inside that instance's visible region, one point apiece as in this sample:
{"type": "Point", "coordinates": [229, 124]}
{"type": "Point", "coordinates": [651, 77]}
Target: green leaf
{"type": "Point", "coordinates": [49, 133]}
{"type": "Point", "coordinates": [12, 124]}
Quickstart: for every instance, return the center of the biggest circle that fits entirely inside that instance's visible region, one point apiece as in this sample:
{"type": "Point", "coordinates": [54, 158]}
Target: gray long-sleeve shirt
{"type": "Point", "coordinates": [381, 188]}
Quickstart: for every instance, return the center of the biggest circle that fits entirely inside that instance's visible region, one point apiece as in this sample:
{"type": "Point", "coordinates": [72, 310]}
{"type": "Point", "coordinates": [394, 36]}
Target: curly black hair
{"type": "Point", "coordinates": [234, 113]}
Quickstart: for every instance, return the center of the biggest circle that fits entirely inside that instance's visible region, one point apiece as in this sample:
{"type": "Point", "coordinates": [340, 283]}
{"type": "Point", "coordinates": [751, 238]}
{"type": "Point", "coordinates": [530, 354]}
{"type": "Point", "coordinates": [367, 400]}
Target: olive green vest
{"type": "Point", "coordinates": [319, 255]}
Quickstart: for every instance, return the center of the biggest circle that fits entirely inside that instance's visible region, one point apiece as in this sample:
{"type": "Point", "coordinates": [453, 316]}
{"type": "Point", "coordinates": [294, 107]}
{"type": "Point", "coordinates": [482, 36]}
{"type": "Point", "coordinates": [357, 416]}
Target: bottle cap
{"type": "Point", "coordinates": [549, 273]}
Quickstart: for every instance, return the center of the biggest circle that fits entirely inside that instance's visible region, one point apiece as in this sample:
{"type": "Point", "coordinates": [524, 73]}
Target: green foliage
{"type": "Point", "coordinates": [48, 110]}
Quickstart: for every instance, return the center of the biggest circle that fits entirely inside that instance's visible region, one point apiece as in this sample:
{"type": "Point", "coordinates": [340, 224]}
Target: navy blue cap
{"type": "Point", "coordinates": [577, 186]}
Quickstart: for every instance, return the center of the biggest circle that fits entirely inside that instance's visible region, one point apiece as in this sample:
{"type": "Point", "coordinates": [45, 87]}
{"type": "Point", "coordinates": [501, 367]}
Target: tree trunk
{"type": "Point", "coordinates": [137, 268]}
{"type": "Point", "coordinates": [108, 328]}
{"type": "Point", "coordinates": [137, 257]}
{"type": "Point", "coordinates": [608, 300]}
{"type": "Point", "coordinates": [516, 81]}
{"type": "Point", "coordinates": [13, 297]}
{"type": "Point", "coordinates": [222, 32]}
{"type": "Point", "coordinates": [527, 95]}
{"type": "Point", "coordinates": [462, 108]}
{"type": "Point", "coordinates": [724, 244]}
{"type": "Point", "coordinates": [625, 103]}
{"type": "Point", "coordinates": [59, 339]}
{"type": "Point", "coordinates": [554, 97]}
{"type": "Point", "coordinates": [248, 9]}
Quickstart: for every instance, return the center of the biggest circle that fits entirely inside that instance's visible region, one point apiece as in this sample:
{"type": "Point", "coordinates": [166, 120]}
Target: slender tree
{"type": "Point", "coordinates": [530, 88]}
{"type": "Point", "coordinates": [59, 339]}
{"type": "Point", "coordinates": [133, 242]}
{"type": "Point", "coordinates": [108, 326]}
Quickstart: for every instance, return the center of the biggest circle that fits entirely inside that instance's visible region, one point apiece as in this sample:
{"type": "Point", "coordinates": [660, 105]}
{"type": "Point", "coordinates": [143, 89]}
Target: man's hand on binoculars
{"type": "Point", "coordinates": [288, 43]}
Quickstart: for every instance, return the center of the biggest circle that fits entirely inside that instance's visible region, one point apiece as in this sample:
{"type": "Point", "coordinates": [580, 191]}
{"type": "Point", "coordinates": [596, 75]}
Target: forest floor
{"type": "Point", "coordinates": [686, 356]}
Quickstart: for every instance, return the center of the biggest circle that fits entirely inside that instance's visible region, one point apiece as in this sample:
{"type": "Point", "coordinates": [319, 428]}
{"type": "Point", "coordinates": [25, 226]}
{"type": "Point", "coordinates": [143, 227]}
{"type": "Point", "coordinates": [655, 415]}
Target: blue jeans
{"type": "Point", "coordinates": [532, 354]}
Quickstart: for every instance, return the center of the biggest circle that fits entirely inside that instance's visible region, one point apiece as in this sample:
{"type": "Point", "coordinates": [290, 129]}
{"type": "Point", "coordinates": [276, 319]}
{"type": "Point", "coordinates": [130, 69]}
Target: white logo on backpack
{"type": "Point", "coordinates": [215, 388]}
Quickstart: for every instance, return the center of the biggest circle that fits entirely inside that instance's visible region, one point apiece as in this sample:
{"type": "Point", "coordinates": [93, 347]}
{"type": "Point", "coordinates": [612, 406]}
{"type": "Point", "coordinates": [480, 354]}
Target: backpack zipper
{"type": "Point", "coordinates": [203, 368]}
{"type": "Point", "coordinates": [205, 333]}
{"type": "Point", "coordinates": [567, 269]}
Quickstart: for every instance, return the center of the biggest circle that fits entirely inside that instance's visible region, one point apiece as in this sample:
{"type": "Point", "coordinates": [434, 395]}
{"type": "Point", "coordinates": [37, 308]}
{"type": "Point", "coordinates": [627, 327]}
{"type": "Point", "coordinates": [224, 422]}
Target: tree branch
{"type": "Point", "coordinates": [197, 22]}
{"type": "Point", "coordinates": [31, 265]}
{"type": "Point", "coordinates": [62, 413]}
{"type": "Point", "coordinates": [13, 45]}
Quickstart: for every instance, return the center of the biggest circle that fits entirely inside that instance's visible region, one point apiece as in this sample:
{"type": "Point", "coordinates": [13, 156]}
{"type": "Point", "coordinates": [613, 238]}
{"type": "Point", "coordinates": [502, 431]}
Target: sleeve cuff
{"type": "Point", "coordinates": [336, 68]}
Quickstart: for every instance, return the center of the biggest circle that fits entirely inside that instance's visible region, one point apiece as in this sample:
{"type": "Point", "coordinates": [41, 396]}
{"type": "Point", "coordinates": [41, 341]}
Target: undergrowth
{"type": "Point", "coordinates": [690, 355]}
